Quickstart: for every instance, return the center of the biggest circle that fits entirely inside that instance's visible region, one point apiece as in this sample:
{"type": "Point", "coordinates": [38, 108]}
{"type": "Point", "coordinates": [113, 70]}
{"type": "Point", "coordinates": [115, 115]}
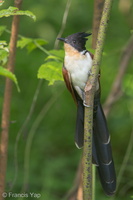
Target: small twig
{"type": "Point", "coordinates": [115, 93]}
{"type": "Point", "coordinates": [7, 101]}
{"type": "Point", "coordinates": [64, 20]}
{"type": "Point", "coordinates": [125, 160]}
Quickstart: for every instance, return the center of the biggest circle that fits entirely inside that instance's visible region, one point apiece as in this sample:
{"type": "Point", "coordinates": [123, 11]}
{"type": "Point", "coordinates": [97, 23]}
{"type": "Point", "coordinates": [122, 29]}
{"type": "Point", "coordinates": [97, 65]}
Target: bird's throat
{"type": "Point", "coordinates": [71, 51]}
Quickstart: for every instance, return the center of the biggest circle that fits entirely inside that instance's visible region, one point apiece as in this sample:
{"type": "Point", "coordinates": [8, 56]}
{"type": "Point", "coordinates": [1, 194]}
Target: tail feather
{"type": "Point", "coordinates": [104, 155]}
{"type": "Point", "coordinates": [108, 183]}
{"type": "Point", "coordinates": [101, 124]}
{"type": "Point", "coordinates": [79, 135]}
{"type": "Point", "coordinates": [101, 147]}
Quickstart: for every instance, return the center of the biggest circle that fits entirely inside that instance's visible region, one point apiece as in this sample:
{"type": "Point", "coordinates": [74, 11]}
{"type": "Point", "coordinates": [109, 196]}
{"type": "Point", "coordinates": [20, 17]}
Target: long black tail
{"type": "Point", "coordinates": [103, 154]}
{"type": "Point", "coordinates": [79, 134]}
{"type": "Point", "coordinates": [101, 148]}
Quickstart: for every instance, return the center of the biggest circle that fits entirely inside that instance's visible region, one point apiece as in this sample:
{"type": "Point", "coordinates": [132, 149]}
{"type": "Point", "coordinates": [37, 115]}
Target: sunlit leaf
{"type": "Point", "coordinates": [14, 11]}
{"type": "Point", "coordinates": [30, 43]}
{"type": "Point", "coordinates": [57, 53]}
{"type": "Point", "coordinates": [34, 44]}
{"type": "Point", "coordinates": [8, 74]}
{"type": "Point", "coordinates": [51, 71]}
{"type": "Point", "coordinates": [23, 42]}
{"type": "Point", "coordinates": [40, 41]}
{"type": "Point", "coordinates": [3, 42]}
{"type": "Point", "coordinates": [51, 57]}
{"type": "Point", "coordinates": [3, 56]}
{"type": "Point", "coordinates": [3, 45]}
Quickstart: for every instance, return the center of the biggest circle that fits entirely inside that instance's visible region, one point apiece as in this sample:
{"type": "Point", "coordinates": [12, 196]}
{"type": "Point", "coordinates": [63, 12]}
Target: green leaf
{"type": "Point", "coordinates": [40, 41]}
{"type": "Point", "coordinates": [51, 57]}
{"type": "Point", "coordinates": [8, 74]}
{"type": "Point", "coordinates": [3, 42]}
{"type": "Point", "coordinates": [14, 11]}
{"type": "Point", "coordinates": [3, 56]}
{"type": "Point", "coordinates": [34, 43]}
{"type": "Point", "coordinates": [3, 45]}
{"type": "Point", "coordinates": [2, 29]}
{"type": "Point", "coordinates": [57, 53]}
{"type": "Point", "coordinates": [30, 43]}
{"type": "Point", "coordinates": [51, 71]}
{"type": "Point", "coordinates": [23, 42]}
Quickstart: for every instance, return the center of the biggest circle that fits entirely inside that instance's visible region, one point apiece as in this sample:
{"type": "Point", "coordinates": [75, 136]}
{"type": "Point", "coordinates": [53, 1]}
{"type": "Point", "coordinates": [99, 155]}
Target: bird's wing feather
{"type": "Point", "coordinates": [79, 134]}
{"type": "Point", "coordinates": [67, 79]}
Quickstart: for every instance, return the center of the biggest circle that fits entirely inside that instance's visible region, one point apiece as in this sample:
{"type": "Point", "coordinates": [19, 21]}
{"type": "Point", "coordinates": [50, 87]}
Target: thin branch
{"type": "Point", "coordinates": [89, 95]}
{"type": "Point", "coordinates": [125, 160]}
{"type": "Point", "coordinates": [115, 93]}
{"type": "Point", "coordinates": [31, 134]}
{"type": "Point", "coordinates": [21, 131]}
{"type": "Point", "coordinates": [63, 25]}
{"type": "Point", "coordinates": [7, 101]}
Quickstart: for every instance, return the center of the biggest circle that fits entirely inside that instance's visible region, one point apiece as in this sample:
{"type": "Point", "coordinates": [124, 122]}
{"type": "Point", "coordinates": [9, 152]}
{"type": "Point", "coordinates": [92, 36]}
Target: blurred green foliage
{"type": "Point", "coordinates": [4, 50]}
{"type": "Point", "coordinates": [46, 155]}
{"type": "Point", "coordinates": [14, 11]}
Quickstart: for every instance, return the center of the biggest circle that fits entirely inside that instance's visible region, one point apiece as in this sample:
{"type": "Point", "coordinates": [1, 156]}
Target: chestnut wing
{"type": "Point", "coordinates": [68, 82]}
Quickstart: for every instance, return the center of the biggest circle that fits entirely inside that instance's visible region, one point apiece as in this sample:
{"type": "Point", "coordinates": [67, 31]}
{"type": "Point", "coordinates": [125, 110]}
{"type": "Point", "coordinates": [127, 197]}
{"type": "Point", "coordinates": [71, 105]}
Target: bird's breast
{"type": "Point", "coordinates": [78, 67]}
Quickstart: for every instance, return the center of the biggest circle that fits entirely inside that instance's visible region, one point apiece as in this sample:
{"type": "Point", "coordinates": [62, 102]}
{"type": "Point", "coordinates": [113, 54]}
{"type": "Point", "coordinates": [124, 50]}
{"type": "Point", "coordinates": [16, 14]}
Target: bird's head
{"type": "Point", "coordinates": [76, 40]}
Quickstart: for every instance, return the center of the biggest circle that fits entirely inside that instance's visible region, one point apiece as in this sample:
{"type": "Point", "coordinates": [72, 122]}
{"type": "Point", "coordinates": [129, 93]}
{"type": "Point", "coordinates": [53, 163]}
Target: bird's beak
{"type": "Point", "coordinates": [62, 39]}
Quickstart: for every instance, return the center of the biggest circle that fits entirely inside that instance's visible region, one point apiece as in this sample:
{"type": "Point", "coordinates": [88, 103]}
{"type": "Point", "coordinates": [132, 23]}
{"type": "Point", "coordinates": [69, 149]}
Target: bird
{"type": "Point", "coordinates": [76, 70]}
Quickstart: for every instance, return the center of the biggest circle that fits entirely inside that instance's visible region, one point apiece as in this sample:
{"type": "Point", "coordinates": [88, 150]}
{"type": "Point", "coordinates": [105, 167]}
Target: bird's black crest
{"type": "Point", "coordinates": [77, 40]}
{"type": "Point", "coordinates": [79, 36]}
